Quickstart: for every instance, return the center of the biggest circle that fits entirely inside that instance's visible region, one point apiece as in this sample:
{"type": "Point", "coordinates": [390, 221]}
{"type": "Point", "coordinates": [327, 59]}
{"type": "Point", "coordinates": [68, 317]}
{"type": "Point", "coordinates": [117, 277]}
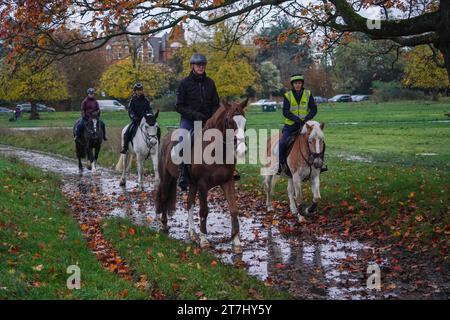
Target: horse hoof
{"type": "Point", "coordinates": [165, 229]}
{"type": "Point", "coordinates": [122, 183]}
{"type": "Point", "coordinates": [237, 249]}
{"type": "Point", "coordinates": [269, 209]}
{"type": "Point", "coordinates": [301, 219]}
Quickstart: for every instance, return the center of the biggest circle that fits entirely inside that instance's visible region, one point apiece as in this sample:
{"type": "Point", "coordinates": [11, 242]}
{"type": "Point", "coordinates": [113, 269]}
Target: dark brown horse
{"type": "Point", "coordinates": [204, 176]}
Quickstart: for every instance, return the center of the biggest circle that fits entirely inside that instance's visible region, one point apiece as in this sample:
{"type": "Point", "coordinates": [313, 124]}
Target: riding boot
{"type": "Point", "coordinates": [324, 168]}
{"type": "Point", "coordinates": [183, 182]}
{"type": "Point", "coordinates": [236, 175]}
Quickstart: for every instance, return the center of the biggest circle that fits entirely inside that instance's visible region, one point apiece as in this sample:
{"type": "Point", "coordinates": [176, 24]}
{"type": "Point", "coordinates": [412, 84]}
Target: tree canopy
{"type": "Point", "coordinates": [35, 25]}
{"type": "Point", "coordinates": [119, 78]}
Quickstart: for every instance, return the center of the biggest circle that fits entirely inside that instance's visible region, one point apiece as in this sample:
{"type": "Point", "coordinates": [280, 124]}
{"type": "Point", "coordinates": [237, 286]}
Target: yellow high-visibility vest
{"type": "Point", "coordinates": [298, 109]}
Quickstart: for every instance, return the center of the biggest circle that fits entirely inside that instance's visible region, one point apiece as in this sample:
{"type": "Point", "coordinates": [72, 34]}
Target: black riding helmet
{"type": "Point", "coordinates": [90, 91]}
{"type": "Point", "coordinates": [198, 58]}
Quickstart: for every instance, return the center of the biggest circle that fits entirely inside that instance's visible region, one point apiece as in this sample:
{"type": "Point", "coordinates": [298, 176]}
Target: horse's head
{"type": "Point", "coordinates": [316, 144]}
{"type": "Point", "coordinates": [235, 119]}
{"type": "Point", "coordinates": [92, 131]}
{"type": "Point", "coordinates": [149, 127]}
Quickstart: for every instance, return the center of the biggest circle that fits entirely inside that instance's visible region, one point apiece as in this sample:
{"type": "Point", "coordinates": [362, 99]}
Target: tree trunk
{"type": "Point", "coordinates": [34, 114]}
{"type": "Point", "coordinates": [444, 35]}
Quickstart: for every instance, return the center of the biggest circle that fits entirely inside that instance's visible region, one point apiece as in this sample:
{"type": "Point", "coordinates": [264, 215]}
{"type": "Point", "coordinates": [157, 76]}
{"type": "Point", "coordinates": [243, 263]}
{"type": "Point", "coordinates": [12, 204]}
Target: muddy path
{"type": "Point", "coordinates": [307, 262]}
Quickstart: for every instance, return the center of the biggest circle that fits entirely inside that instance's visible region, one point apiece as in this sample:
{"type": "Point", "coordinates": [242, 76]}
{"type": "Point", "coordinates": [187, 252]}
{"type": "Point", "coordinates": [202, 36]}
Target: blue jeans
{"type": "Point", "coordinates": [287, 131]}
{"type": "Point", "coordinates": [187, 125]}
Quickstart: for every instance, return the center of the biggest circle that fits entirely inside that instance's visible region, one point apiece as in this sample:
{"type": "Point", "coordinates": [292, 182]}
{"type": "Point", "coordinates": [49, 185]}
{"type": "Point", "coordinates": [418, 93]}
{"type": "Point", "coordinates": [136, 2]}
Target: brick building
{"type": "Point", "coordinates": [149, 49]}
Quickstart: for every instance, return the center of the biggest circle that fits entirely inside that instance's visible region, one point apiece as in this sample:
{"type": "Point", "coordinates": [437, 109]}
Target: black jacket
{"type": "Point", "coordinates": [197, 97]}
{"type": "Point", "coordinates": [138, 107]}
{"type": "Point", "coordinates": [312, 107]}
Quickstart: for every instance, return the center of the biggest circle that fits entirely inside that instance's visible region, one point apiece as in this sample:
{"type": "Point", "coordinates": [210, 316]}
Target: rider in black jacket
{"type": "Point", "coordinates": [138, 107]}
{"type": "Point", "coordinates": [197, 100]}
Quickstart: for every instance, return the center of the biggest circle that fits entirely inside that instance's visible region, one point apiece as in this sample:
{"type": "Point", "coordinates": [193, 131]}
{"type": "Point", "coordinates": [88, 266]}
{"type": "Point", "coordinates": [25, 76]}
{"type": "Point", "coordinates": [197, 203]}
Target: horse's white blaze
{"type": "Point", "coordinates": [94, 121]}
{"type": "Point", "coordinates": [241, 148]}
{"type": "Point", "coordinates": [317, 146]}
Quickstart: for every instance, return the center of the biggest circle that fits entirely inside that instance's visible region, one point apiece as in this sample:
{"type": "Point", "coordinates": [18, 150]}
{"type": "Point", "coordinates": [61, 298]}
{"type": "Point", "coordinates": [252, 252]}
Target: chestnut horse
{"type": "Point", "coordinates": [204, 176]}
{"type": "Point", "coordinates": [305, 161]}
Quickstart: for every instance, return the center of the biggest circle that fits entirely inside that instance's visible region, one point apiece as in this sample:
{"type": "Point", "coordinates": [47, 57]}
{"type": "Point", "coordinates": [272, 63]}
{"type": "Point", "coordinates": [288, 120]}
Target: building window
{"type": "Point", "coordinates": [140, 54]}
{"type": "Point", "coordinates": [119, 54]}
{"type": "Point", "coordinates": [109, 52]}
{"type": "Point", "coordinates": [150, 52]}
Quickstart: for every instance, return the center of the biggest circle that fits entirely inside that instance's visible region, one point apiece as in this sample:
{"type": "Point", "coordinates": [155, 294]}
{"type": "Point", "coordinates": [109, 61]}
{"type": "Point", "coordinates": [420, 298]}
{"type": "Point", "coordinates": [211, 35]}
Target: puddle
{"type": "Point", "coordinates": [309, 267]}
{"type": "Point", "coordinates": [356, 158]}
{"type": "Point", "coordinates": [426, 154]}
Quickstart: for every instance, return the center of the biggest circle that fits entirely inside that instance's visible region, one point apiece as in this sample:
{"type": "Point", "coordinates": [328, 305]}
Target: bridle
{"type": "Point", "coordinates": [231, 124]}
{"type": "Point", "coordinates": [149, 137]}
{"type": "Point", "coordinates": [312, 156]}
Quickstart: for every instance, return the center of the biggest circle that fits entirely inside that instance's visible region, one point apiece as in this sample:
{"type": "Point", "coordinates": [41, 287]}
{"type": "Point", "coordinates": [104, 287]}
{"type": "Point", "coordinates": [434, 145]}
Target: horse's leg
{"type": "Point", "coordinates": [315, 187]}
{"type": "Point", "coordinates": [297, 186]}
{"type": "Point", "coordinates": [89, 157]}
{"type": "Point", "coordinates": [190, 208]}
{"type": "Point", "coordinates": [94, 163]}
{"type": "Point", "coordinates": [140, 168]}
{"type": "Point", "coordinates": [203, 194]}
{"type": "Point", "coordinates": [228, 189]}
{"type": "Point", "coordinates": [123, 159]}
{"type": "Point", "coordinates": [80, 166]}
{"type": "Point", "coordinates": [268, 186]}
{"type": "Point", "coordinates": [154, 154]}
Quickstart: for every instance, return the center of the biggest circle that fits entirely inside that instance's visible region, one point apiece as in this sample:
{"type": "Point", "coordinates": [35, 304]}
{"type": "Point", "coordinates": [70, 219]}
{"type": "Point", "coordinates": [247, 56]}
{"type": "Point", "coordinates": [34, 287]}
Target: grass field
{"type": "Point", "coordinates": [390, 160]}
{"type": "Point", "coordinates": [40, 239]}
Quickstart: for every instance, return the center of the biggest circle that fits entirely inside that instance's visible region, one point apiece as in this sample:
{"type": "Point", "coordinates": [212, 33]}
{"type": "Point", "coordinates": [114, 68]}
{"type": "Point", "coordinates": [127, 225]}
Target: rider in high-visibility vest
{"type": "Point", "coordinates": [298, 107]}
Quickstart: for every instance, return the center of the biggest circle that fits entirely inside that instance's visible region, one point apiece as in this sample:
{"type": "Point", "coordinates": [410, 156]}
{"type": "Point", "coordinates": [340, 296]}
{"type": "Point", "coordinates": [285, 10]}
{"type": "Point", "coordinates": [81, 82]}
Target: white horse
{"type": "Point", "coordinates": [304, 162]}
{"type": "Point", "coordinates": [144, 144]}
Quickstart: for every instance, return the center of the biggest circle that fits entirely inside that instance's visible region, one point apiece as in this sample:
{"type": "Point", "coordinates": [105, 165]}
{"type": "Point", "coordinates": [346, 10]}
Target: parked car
{"type": "Point", "coordinates": [319, 99]}
{"type": "Point", "coordinates": [360, 97]}
{"type": "Point", "coordinates": [110, 105]}
{"type": "Point", "coordinates": [26, 107]}
{"type": "Point", "coordinates": [5, 110]}
{"type": "Point", "coordinates": [263, 102]}
{"type": "Point", "coordinates": [341, 98]}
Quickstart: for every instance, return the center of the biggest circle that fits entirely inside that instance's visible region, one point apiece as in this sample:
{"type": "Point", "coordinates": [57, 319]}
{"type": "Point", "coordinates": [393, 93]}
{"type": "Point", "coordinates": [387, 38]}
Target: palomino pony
{"type": "Point", "coordinates": [205, 176]}
{"type": "Point", "coordinates": [89, 144]}
{"type": "Point", "coordinates": [304, 161]}
{"type": "Point", "coordinates": [144, 144]}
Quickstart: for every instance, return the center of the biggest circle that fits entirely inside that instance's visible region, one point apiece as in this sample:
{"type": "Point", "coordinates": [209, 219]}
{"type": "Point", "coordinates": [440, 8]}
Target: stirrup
{"type": "Point", "coordinates": [324, 169]}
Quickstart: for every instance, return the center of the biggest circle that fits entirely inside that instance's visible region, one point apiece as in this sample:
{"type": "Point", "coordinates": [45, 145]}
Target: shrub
{"type": "Point", "coordinates": [164, 103]}
{"type": "Point", "coordinates": [387, 91]}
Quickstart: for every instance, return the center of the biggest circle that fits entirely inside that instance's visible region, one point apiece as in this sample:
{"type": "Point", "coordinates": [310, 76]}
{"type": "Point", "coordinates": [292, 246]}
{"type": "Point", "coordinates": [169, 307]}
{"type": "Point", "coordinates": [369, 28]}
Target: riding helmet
{"type": "Point", "coordinates": [90, 91]}
{"type": "Point", "coordinates": [297, 77]}
{"type": "Point", "coordinates": [138, 86]}
{"type": "Point", "coordinates": [198, 58]}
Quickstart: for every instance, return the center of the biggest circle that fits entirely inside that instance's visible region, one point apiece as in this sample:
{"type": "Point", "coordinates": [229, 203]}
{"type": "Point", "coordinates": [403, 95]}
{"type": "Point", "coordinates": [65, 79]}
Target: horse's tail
{"type": "Point", "coordinates": [121, 163]}
{"type": "Point", "coordinates": [166, 194]}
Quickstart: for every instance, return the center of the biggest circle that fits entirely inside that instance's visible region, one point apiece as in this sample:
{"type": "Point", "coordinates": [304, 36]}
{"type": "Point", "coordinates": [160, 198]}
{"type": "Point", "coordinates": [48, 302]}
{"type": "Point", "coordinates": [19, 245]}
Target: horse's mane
{"type": "Point", "coordinates": [215, 119]}
{"type": "Point", "coordinates": [316, 131]}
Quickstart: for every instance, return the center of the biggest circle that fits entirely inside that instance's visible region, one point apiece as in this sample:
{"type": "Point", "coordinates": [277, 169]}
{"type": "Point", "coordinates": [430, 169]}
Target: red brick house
{"type": "Point", "coordinates": [148, 48]}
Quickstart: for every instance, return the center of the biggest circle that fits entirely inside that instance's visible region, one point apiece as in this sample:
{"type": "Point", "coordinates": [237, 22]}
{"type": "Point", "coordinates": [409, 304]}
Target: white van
{"type": "Point", "coordinates": [110, 105]}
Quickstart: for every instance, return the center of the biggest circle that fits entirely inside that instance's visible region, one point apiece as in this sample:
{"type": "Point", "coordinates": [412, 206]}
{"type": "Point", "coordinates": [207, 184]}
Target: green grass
{"type": "Point", "coordinates": [40, 239]}
{"type": "Point", "coordinates": [180, 270]}
{"type": "Point", "coordinates": [391, 135]}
